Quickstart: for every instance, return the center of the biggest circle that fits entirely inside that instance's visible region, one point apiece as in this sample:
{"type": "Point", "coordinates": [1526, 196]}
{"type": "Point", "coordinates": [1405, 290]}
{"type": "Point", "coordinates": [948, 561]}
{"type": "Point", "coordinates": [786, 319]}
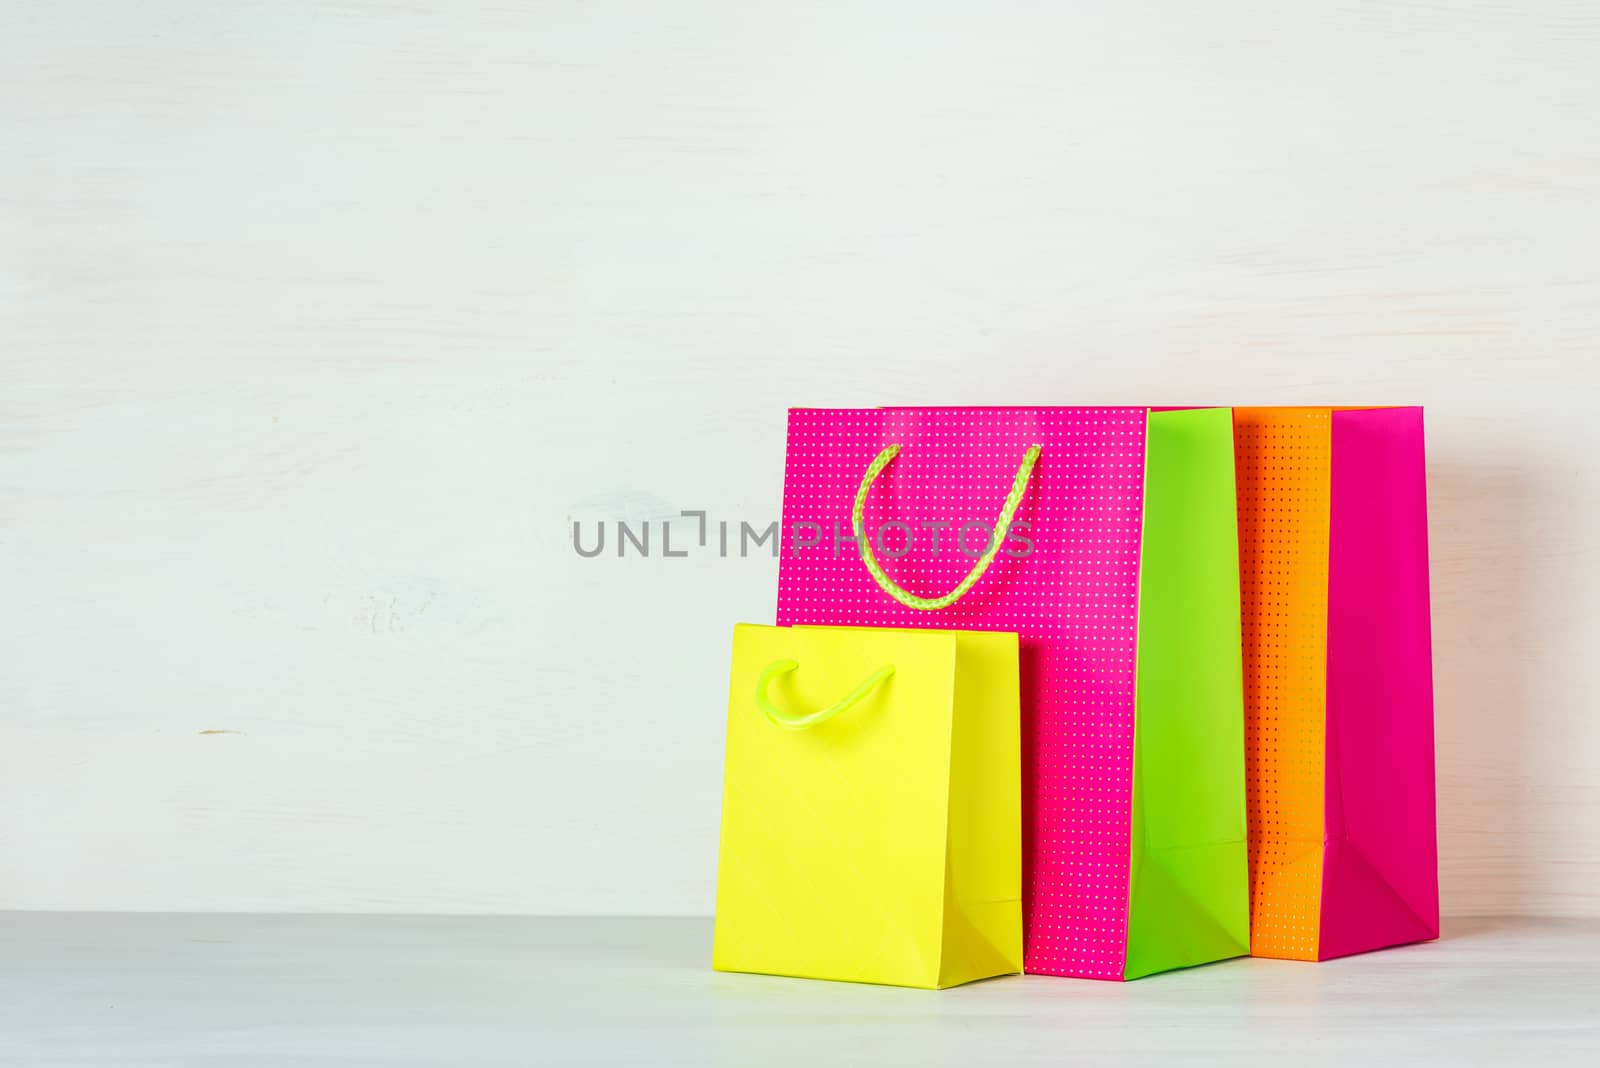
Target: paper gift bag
{"type": "Point", "coordinates": [1333, 528]}
{"type": "Point", "coordinates": [871, 806]}
{"type": "Point", "coordinates": [1106, 539]}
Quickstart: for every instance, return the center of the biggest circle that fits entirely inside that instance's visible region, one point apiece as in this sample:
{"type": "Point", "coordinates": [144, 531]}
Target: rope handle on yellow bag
{"type": "Point", "coordinates": [811, 719]}
{"type": "Point", "coordinates": [1008, 511]}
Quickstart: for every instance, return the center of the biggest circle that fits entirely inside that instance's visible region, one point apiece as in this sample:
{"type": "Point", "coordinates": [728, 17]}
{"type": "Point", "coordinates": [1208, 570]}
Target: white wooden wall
{"type": "Point", "coordinates": [319, 323]}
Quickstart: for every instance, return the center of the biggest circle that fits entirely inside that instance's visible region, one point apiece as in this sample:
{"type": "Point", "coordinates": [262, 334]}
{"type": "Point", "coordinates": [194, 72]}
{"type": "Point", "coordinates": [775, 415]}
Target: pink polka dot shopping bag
{"type": "Point", "coordinates": [1107, 540]}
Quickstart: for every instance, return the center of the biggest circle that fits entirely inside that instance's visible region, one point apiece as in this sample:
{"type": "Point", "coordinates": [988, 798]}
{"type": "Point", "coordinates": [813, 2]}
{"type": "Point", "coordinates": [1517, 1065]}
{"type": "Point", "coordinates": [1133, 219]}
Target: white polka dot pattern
{"type": "Point", "coordinates": [1073, 600]}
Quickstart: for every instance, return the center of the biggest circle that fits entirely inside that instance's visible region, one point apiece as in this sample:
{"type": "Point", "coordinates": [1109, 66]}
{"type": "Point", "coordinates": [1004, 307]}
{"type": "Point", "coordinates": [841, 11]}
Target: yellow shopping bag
{"type": "Point", "coordinates": [871, 818]}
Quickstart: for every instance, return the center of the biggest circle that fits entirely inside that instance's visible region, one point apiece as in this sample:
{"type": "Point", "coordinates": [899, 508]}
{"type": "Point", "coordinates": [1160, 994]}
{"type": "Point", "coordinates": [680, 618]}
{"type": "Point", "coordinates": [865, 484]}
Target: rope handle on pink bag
{"type": "Point", "coordinates": [1008, 511]}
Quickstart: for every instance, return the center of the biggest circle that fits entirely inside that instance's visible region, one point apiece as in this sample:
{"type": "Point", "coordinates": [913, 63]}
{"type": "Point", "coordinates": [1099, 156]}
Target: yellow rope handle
{"type": "Point", "coordinates": [1008, 511]}
{"type": "Point", "coordinates": [798, 723]}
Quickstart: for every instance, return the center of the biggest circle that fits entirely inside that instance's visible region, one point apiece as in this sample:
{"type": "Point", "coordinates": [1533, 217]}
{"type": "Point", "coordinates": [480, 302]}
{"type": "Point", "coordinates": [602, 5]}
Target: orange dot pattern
{"type": "Point", "coordinates": [1283, 462]}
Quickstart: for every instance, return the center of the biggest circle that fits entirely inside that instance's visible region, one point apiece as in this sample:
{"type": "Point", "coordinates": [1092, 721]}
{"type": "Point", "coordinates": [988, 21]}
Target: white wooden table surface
{"type": "Point", "coordinates": [153, 989]}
